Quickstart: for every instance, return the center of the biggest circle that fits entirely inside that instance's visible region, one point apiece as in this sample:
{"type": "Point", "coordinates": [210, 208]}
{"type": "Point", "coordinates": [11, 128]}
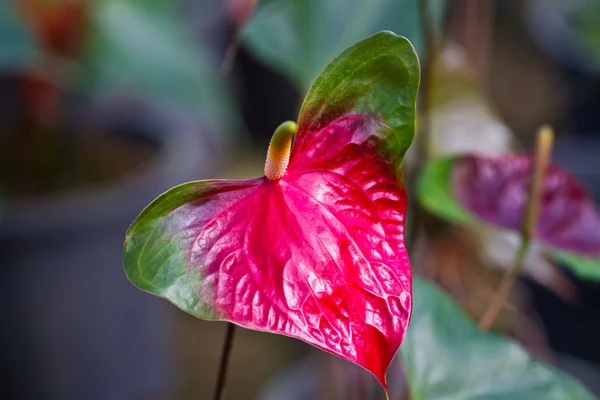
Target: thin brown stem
{"type": "Point", "coordinates": [508, 281]}
{"type": "Point", "coordinates": [472, 27]}
{"type": "Point", "coordinates": [427, 72]}
{"type": "Point", "coordinates": [414, 223]}
{"type": "Point", "coordinates": [224, 363]}
{"type": "Point", "coordinates": [484, 44]}
{"type": "Point", "coordinates": [230, 54]}
{"type": "Point", "coordinates": [545, 138]}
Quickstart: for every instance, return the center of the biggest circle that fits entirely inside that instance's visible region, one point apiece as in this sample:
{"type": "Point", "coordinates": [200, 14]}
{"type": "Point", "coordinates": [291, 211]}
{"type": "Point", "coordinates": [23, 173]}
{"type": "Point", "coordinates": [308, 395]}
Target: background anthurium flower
{"type": "Point", "coordinates": [315, 250]}
{"type": "Point", "coordinates": [471, 189]}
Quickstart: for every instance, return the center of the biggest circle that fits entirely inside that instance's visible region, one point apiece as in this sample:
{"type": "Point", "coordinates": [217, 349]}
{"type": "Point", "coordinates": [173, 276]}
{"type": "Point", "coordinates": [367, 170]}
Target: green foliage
{"type": "Point", "coordinates": [17, 48]}
{"type": "Point", "coordinates": [158, 265]}
{"type": "Point", "coordinates": [377, 76]}
{"type": "Point", "coordinates": [587, 29]}
{"type": "Point", "coordinates": [584, 267]}
{"type": "Point", "coordinates": [447, 357]}
{"type": "Point", "coordinates": [144, 48]}
{"type": "Point", "coordinates": [298, 37]}
{"type": "Point", "coordinates": [435, 192]}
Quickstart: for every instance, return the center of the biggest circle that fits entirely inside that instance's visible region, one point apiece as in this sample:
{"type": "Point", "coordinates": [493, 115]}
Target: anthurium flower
{"type": "Point", "coordinates": [315, 248]}
{"type": "Point", "coordinates": [493, 190]}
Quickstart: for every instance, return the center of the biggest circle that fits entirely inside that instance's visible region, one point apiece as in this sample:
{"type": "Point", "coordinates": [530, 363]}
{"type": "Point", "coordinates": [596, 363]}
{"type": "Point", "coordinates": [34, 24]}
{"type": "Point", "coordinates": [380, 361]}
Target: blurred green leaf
{"type": "Point", "coordinates": [144, 48]}
{"type": "Point", "coordinates": [435, 192]}
{"type": "Point", "coordinates": [17, 47]}
{"type": "Point", "coordinates": [586, 17]}
{"type": "Point", "coordinates": [298, 37]}
{"type": "Point", "coordinates": [583, 267]}
{"type": "Point", "coordinates": [447, 357]}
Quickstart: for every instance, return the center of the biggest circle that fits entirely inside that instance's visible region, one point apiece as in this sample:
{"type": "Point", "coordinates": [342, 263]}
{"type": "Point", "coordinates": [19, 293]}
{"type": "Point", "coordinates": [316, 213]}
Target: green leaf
{"type": "Point", "coordinates": [368, 79]}
{"type": "Point", "coordinates": [153, 258]}
{"type": "Point", "coordinates": [298, 37]}
{"type": "Point", "coordinates": [583, 267]}
{"type": "Point", "coordinates": [434, 191]}
{"type": "Point", "coordinates": [447, 357]}
{"type": "Point", "coordinates": [584, 18]}
{"type": "Point", "coordinates": [144, 48]}
{"type": "Point", "coordinates": [17, 47]}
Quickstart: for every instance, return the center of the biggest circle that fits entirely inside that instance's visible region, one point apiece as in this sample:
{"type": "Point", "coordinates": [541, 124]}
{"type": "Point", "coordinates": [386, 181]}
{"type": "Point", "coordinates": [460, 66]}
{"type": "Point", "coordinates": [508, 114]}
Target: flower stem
{"type": "Point", "coordinates": [426, 84]}
{"type": "Point", "coordinates": [224, 363]}
{"type": "Point", "coordinates": [230, 54]}
{"type": "Point", "coordinates": [415, 224]}
{"type": "Point", "coordinates": [545, 139]}
{"type": "Point", "coordinates": [508, 280]}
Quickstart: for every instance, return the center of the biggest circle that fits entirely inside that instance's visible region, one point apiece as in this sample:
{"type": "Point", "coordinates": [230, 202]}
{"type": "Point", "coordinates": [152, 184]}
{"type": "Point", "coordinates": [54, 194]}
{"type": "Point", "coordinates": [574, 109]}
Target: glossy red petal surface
{"type": "Point", "coordinates": [496, 190]}
{"type": "Point", "coordinates": [318, 255]}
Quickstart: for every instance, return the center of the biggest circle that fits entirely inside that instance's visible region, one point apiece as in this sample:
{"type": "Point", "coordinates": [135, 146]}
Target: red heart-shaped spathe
{"type": "Point", "coordinates": [317, 255]}
{"type": "Point", "coordinates": [315, 251]}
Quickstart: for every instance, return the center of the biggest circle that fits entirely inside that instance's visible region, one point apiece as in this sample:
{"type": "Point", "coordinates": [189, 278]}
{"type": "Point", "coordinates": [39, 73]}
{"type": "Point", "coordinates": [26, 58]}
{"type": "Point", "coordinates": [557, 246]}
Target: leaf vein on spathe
{"type": "Point", "coordinates": [301, 273]}
{"type": "Point", "coordinates": [326, 248]}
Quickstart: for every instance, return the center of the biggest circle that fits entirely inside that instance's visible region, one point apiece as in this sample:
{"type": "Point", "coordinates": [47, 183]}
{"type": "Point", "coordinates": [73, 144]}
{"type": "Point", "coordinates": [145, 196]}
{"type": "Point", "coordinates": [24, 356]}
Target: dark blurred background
{"type": "Point", "coordinates": [104, 105]}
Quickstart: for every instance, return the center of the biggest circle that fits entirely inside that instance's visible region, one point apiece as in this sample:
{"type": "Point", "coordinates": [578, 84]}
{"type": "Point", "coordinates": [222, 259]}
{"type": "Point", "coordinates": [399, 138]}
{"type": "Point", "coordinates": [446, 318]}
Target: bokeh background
{"type": "Point", "coordinates": [106, 104]}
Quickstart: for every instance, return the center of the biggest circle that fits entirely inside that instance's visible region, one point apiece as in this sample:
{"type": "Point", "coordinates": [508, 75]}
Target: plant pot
{"type": "Point", "coordinates": [73, 327]}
